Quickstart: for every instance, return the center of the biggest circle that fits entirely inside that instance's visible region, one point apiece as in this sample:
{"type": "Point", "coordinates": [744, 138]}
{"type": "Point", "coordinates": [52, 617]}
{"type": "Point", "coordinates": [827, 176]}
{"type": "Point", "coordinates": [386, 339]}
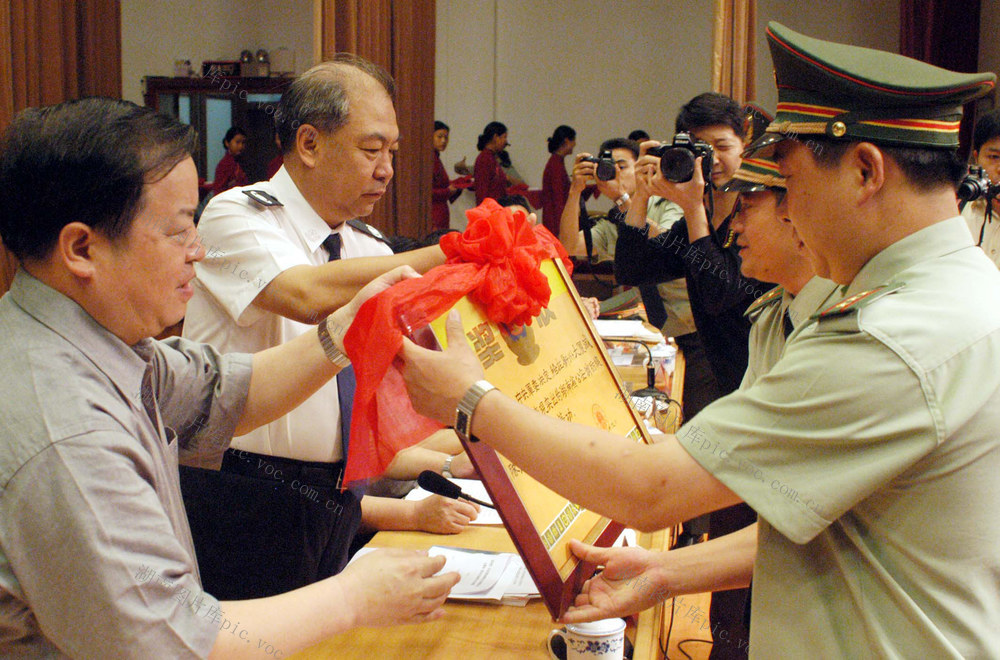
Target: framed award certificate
{"type": "Point", "coordinates": [557, 366]}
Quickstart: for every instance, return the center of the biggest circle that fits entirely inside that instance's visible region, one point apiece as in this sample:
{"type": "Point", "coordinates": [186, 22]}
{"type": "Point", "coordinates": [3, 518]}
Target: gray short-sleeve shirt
{"type": "Point", "coordinates": [96, 557]}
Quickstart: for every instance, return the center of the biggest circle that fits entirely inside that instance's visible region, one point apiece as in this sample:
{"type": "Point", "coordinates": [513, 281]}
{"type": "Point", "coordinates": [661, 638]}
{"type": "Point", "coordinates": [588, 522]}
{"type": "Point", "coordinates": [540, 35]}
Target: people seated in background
{"type": "Point", "coordinates": [443, 192]}
{"type": "Point", "coordinates": [667, 306]}
{"type": "Point", "coordinates": [514, 178]}
{"type": "Point", "coordinates": [638, 135]}
{"type": "Point", "coordinates": [619, 190]}
{"type": "Point", "coordinates": [278, 258]}
{"type": "Point", "coordinates": [491, 180]}
{"type": "Point", "coordinates": [229, 173]}
{"type": "Point", "coordinates": [518, 203]}
{"type": "Point", "coordinates": [980, 215]}
{"type": "Point", "coordinates": [555, 181]}
{"type": "Point", "coordinates": [96, 557]}
{"type": "Point", "coordinates": [275, 163]}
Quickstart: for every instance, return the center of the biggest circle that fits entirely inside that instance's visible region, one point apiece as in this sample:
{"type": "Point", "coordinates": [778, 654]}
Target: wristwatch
{"type": "Point", "coordinates": [467, 406]}
{"type": "Point", "coordinates": [333, 353]}
{"type": "Point", "coordinates": [623, 200]}
{"type": "Point", "coordinates": [446, 470]}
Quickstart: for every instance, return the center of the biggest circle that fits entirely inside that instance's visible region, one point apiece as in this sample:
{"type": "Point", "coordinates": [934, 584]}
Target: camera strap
{"type": "Point", "coordinates": [588, 237]}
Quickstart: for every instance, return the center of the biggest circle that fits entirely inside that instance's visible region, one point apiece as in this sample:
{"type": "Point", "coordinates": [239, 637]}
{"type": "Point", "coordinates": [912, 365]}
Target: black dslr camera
{"type": "Point", "coordinates": [677, 159]}
{"type": "Point", "coordinates": [976, 185]}
{"type": "Point", "coordinates": [606, 168]}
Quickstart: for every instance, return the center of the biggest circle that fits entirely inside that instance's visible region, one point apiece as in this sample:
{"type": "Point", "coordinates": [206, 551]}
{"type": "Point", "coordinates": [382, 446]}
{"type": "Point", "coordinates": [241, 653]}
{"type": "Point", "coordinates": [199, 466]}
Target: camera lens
{"type": "Point", "coordinates": [677, 165]}
{"type": "Point", "coordinates": [606, 170]}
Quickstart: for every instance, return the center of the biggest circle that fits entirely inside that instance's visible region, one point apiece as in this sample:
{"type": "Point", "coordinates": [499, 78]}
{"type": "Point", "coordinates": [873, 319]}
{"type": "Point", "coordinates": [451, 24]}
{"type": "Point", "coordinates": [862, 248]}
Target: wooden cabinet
{"type": "Point", "coordinates": [211, 104]}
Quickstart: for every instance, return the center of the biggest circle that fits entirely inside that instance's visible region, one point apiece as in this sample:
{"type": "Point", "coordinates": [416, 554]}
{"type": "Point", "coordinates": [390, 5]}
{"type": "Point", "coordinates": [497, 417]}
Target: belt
{"type": "Point", "coordinates": [277, 468]}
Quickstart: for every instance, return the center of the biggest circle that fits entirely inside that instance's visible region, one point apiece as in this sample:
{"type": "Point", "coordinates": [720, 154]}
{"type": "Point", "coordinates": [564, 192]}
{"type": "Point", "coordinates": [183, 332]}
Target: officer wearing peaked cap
{"type": "Point", "coordinates": [870, 450]}
{"type": "Point", "coordinates": [771, 252]}
{"type": "Point", "coordinates": [870, 433]}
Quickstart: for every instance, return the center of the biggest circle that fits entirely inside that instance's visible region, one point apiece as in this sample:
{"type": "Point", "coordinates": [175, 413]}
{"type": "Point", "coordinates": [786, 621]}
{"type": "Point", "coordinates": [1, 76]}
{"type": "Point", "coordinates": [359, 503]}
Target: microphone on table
{"type": "Point", "coordinates": [435, 483]}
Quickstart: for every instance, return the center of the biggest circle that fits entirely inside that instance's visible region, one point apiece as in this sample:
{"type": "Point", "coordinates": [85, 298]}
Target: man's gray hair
{"type": "Point", "coordinates": [319, 96]}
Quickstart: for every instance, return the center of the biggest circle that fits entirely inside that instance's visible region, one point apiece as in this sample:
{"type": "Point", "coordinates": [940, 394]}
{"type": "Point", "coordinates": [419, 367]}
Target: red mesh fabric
{"type": "Point", "coordinates": [496, 263]}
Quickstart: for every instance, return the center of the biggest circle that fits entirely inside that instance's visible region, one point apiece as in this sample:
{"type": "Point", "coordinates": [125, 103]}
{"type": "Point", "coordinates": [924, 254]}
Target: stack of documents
{"type": "Point", "coordinates": [486, 577]}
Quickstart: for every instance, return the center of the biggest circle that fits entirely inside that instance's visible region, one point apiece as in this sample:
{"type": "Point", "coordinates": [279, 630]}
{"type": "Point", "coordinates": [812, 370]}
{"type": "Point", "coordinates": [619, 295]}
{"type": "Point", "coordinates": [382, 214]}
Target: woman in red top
{"type": "Point", "coordinates": [228, 173]}
{"type": "Point", "coordinates": [491, 181]}
{"type": "Point", "coordinates": [443, 191]}
{"type": "Point", "coordinates": [555, 181]}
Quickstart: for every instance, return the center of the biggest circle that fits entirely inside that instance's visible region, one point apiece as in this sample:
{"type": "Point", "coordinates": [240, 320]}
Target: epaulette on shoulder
{"type": "Point", "coordinates": [365, 228]}
{"type": "Point", "coordinates": [765, 300]}
{"type": "Point", "coordinates": [262, 197]}
{"type": "Point", "coordinates": [842, 315]}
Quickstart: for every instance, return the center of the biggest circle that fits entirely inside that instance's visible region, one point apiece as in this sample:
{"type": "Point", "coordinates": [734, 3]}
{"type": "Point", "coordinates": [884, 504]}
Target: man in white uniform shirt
{"type": "Point", "coordinates": [275, 266]}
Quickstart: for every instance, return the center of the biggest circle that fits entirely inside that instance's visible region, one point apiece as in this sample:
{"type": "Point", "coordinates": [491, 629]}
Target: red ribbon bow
{"type": "Point", "coordinates": [496, 262]}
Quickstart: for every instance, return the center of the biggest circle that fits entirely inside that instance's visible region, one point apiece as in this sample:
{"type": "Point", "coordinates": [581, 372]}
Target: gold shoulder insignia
{"type": "Point", "coordinates": [765, 300]}
{"type": "Point", "coordinates": [857, 301]}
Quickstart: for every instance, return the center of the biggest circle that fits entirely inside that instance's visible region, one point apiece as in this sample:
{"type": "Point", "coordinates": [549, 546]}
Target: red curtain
{"type": "Point", "coordinates": [944, 33]}
{"type": "Point", "coordinates": [399, 36]}
{"type": "Point", "coordinates": [53, 51]}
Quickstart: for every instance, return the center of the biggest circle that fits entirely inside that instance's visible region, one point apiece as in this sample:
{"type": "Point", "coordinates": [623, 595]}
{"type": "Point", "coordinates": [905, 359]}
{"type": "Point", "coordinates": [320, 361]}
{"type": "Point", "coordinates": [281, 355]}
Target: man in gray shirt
{"type": "Point", "coordinates": [96, 557]}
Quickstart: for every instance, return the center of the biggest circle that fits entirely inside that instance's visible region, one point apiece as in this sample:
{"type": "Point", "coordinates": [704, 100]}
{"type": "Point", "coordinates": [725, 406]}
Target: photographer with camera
{"type": "Point", "coordinates": [980, 211]}
{"type": "Point", "coordinates": [703, 157]}
{"type": "Point", "coordinates": [613, 172]}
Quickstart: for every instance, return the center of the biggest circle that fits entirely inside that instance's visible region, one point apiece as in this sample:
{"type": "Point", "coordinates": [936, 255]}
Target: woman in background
{"type": "Point", "coordinates": [443, 191]}
{"type": "Point", "coordinates": [491, 181]}
{"type": "Point", "coordinates": [555, 180]}
{"type": "Point", "coordinates": [228, 173]}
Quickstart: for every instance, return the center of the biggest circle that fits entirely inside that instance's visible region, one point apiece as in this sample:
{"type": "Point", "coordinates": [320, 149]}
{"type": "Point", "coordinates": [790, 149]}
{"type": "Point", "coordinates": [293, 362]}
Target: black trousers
{"type": "Point", "coordinates": [265, 525]}
{"type": "Point", "coordinates": [730, 609]}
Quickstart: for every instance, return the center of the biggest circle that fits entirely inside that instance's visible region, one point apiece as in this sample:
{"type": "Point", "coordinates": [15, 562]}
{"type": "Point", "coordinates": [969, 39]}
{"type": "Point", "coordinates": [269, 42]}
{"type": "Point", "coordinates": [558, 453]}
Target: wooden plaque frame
{"type": "Point", "coordinates": [521, 501]}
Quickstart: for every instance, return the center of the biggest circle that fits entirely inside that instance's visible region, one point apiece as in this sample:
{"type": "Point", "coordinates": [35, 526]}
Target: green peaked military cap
{"type": "Point", "coordinates": [861, 94]}
{"type": "Point", "coordinates": [755, 174]}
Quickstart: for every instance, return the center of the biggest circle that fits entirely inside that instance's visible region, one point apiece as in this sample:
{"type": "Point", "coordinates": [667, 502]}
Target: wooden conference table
{"type": "Point", "coordinates": [480, 630]}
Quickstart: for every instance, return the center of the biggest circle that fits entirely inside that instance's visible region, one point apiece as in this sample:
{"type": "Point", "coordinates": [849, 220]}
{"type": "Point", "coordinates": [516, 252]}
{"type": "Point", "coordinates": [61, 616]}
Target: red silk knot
{"type": "Point", "coordinates": [496, 262]}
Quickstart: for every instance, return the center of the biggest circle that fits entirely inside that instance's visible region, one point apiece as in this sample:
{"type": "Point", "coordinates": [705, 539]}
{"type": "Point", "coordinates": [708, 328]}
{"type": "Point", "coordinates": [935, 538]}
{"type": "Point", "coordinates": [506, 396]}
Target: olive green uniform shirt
{"type": "Point", "coordinates": [663, 213]}
{"type": "Point", "coordinates": [870, 452]}
{"type": "Point", "coordinates": [767, 334]}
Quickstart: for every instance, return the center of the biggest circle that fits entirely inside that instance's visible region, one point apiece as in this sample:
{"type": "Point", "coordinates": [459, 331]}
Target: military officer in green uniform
{"type": "Point", "coordinates": [771, 251]}
{"type": "Point", "coordinates": [870, 450]}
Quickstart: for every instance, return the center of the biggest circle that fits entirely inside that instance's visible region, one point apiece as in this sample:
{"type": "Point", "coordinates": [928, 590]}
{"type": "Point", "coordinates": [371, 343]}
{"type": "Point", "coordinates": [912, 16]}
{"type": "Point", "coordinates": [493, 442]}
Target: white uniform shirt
{"type": "Point", "coordinates": [975, 216]}
{"type": "Point", "coordinates": [247, 246]}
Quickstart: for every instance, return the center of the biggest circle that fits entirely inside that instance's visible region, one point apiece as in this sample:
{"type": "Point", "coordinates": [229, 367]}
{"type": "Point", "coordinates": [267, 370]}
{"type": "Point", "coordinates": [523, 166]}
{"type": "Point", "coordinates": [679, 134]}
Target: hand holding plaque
{"type": "Point", "coordinates": [437, 380]}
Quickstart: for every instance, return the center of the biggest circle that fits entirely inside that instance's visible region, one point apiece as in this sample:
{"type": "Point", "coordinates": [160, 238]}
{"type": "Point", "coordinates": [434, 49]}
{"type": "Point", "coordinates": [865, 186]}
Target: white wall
{"type": "Point", "coordinates": [604, 68]}
{"type": "Point", "coordinates": [868, 23]}
{"type": "Point", "coordinates": [155, 33]}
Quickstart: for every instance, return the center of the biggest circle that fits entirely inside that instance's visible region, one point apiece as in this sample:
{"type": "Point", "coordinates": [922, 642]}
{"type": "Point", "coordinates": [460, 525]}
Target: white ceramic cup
{"type": "Point", "coordinates": [596, 640]}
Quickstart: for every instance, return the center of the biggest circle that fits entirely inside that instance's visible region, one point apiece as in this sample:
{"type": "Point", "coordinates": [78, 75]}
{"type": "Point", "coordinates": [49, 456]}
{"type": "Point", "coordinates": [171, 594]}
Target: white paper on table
{"type": "Point", "coordinates": [496, 577]}
{"type": "Point", "coordinates": [472, 487]}
{"type": "Point", "coordinates": [632, 329]}
{"type": "Point", "coordinates": [480, 571]}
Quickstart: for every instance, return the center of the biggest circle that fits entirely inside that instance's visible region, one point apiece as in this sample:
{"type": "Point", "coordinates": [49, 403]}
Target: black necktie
{"type": "Point", "coordinates": [788, 324]}
{"type": "Point", "coordinates": [345, 379]}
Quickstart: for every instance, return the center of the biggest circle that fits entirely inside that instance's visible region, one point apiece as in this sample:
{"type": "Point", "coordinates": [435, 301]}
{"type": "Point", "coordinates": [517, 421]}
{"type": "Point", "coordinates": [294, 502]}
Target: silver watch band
{"type": "Point", "coordinates": [446, 469]}
{"type": "Point", "coordinates": [333, 354]}
{"type": "Point", "coordinates": [467, 406]}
